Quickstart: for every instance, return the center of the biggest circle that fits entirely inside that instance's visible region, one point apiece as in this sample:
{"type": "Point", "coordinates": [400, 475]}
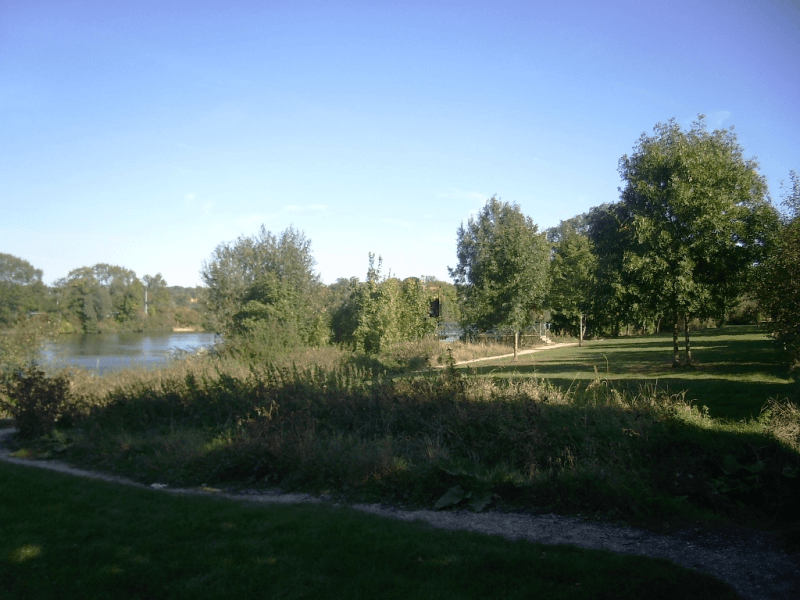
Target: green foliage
{"type": "Point", "coordinates": [101, 298]}
{"type": "Point", "coordinates": [159, 300]}
{"type": "Point", "coordinates": [791, 197]}
{"type": "Point", "coordinates": [782, 418]}
{"type": "Point", "coordinates": [37, 402]}
{"type": "Point", "coordinates": [614, 448]}
{"type": "Point", "coordinates": [382, 312]}
{"type": "Point", "coordinates": [572, 278]}
{"type": "Point", "coordinates": [263, 290]}
{"type": "Point", "coordinates": [699, 219]}
{"type": "Point", "coordinates": [502, 271]}
{"type": "Point", "coordinates": [450, 440]}
{"type": "Point", "coordinates": [21, 289]}
{"type": "Point", "coordinates": [20, 345]}
{"type": "Point", "coordinates": [779, 291]}
{"type": "Point", "coordinates": [615, 301]}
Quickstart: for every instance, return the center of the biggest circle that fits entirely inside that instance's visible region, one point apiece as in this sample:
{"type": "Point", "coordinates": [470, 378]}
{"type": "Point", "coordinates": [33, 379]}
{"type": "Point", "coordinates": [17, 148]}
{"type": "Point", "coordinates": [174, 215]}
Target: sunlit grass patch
{"type": "Point", "coordinates": [736, 371]}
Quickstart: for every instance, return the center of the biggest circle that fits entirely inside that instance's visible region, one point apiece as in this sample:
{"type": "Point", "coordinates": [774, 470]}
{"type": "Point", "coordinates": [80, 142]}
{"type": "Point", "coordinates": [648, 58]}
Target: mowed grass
{"type": "Point", "coordinates": [736, 370]}
{"type": "Point", "coordinates": [66, 537]}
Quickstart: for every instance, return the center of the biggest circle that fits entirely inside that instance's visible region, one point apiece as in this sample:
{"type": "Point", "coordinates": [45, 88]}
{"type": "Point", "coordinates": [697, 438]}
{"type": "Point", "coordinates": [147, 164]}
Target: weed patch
{"type": "Point", "coordinates": [443, 440]}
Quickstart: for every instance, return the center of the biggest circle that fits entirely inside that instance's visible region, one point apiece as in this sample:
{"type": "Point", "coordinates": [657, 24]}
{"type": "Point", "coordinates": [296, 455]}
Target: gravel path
{"type": "Point", "coordinates": [549, 346]}
{"type": "Point", "coordinates": [751, 562]}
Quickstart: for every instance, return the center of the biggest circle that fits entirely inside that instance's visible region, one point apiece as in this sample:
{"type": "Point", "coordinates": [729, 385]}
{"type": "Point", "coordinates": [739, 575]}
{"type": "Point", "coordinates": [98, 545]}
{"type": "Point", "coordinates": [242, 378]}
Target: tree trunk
{"type": "Point", "coordinates": [686, 338]}
{"type": "Point", "coordinates": [516, 344]}
{"type": "Point", "coordinates": [676, 352]}
{"type": "Point", "coordinates": [581, 329]}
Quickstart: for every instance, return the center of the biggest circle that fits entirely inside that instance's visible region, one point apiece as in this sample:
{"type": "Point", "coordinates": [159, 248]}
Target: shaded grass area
{"type": "Point", "coordinates": [68, 538]}
{"type": "Point", "coordinates": [737, 369]}
{"type": "Point", "coordinates": [617, 449]}
{"type": "Point", "coordinates": [443, 440]}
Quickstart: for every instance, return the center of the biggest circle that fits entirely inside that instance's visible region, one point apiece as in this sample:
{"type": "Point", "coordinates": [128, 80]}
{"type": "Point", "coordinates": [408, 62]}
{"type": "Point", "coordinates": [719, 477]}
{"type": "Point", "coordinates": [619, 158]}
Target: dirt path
{"type": "Point", "coordinates": [520, 353]}
{"type": "Point", "coordinates": [751, 562]}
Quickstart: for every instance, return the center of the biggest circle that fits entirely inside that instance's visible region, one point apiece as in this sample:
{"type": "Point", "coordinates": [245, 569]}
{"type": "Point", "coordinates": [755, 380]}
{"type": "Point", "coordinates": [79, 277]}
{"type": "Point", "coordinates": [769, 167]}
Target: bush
{"type": "Point", "coordinates": [783, 420]}
{"type": "Point", "coordinates": [37, 402]}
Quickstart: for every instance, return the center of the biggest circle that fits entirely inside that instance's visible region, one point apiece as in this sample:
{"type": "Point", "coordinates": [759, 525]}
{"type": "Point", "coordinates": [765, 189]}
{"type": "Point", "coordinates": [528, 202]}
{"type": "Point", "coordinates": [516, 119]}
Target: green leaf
{"type": "Point", "coordinates": [450, 498]}
{"type": "Point", "coordinates": [730, 465]}
{"type": "Point", "coordinates": [756, 467]}
{"type": "Point", "coordinates": [480, 501]}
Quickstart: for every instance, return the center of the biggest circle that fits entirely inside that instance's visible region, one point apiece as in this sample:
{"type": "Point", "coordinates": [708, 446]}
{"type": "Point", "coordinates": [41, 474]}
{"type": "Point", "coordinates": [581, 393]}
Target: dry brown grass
{"type": "Point", "coordinates": [783, 421]}
{"type": "Point", "coordinates": [463, 351]}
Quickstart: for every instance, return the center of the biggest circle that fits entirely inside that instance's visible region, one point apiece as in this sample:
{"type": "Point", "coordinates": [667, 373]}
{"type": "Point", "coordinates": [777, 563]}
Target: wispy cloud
{"type": "Point", "coordinates": [719, 117]}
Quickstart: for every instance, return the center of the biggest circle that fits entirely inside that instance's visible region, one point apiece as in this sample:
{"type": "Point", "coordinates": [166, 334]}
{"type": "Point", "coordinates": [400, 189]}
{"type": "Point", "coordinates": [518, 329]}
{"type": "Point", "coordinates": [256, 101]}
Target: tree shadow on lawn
{"type": "Point", "coordinates": [734, 379]}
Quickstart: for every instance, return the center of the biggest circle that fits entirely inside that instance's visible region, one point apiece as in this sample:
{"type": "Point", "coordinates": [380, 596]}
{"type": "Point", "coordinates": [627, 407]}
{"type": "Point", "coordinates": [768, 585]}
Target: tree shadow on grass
{"type": "Point", "coordinates": [734, 376]}
{"type": "Point", "coordinates": [726, 398]}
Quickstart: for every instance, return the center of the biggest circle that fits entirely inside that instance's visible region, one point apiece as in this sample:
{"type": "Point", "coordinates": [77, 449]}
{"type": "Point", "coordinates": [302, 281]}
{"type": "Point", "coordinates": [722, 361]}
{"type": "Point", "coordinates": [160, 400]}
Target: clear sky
{"type": "Point", "coordinates": [144, 133]}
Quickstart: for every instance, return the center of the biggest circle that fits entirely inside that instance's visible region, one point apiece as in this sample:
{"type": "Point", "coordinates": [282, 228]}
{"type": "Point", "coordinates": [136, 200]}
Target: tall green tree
{"type": "Point", "coordinates": [779, 281]}
{"type": "Point", "coordinates": [159, 301]}
{"type": "Point", "coordinates": [21, 289]}
{"type": "Point", "coordinates": [615, 298]}
{"type": "Point", "coordinates": [85, 299]}
{"type": "Point", "coordinates": [125, 289]}
{"type": "Point", "coordinates": [265, 287]}
{"type": "Point", "coordinates": [699, 213]}
{"type": "Point", "coordinates": [101, 297]}
{"type": "Point", "coordinates": [341, 301]}
{"type": "Point", "coordinates": [382, 311]}
{"type": "Point", "coordinates": [572, 278]}
{"type": "Point", "coordinates": [502, 271]}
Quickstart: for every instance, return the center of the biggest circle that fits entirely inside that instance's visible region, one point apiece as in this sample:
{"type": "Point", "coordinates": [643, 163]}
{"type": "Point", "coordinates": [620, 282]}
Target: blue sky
{"type": "Point", "coordinates": [144, 133]}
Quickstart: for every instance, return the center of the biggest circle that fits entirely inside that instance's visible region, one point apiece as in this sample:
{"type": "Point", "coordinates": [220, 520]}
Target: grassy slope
{"type": "Point", "coordinates": [62, 537]}
{"type": "Point", "coordinates": [737, 369]}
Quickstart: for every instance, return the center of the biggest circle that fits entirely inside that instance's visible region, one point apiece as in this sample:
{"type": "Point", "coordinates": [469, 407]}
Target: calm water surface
{"type": "Point", "coordinates": [113, 351]}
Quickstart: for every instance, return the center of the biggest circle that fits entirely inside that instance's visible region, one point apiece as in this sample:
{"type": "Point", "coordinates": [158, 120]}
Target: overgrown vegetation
{"type": "Point", "coordinates": [36, 402]}
{"type": "Point", "coordinates": [444, 439]}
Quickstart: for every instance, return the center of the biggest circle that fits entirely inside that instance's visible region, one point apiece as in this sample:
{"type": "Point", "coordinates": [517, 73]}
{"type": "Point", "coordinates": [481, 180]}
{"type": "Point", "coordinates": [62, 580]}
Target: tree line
{"type": "Point", "coordinates": [693, 237]}
{"type": "Point", "coordinates": [265, 298]}
{"type": "Point", "coordinates": [95, 299]}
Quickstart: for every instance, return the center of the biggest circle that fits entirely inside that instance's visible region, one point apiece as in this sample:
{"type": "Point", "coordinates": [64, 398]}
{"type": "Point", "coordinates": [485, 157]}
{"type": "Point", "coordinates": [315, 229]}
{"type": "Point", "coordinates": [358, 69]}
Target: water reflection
{"type": "Point", "coordinates": [113, 351]}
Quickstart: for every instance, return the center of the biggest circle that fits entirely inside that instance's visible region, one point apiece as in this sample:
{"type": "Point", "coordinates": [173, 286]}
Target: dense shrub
{"type": "Point", "coordinates": [37, 402]}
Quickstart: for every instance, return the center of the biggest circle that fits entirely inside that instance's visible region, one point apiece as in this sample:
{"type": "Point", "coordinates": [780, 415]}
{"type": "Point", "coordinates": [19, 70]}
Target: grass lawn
{"type": "Point", "coordinates": [64, 537]}
{"type": "Point", "coordinates": [737, 368]}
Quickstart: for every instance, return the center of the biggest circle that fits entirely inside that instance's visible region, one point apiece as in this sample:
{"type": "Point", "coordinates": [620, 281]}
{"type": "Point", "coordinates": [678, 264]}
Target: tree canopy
{"type": "Point", "coordinates": [699, 219]}
{"type": "Point", "coordinates": [21, 289]}
{"type": "Point", "coordinates": [572, 277]}
{"type": "Point", "coordinates": [779, 284]}
{"type": "Point", "coordinates": [502, 271]}
{"type": "Point", "coordinates": [265, 287]}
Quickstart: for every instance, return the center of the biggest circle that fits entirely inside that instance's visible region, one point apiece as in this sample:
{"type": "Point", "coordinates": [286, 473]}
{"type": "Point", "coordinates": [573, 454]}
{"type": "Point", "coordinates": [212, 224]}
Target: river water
{"type": "Point", "coordinates": [114, 351]}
